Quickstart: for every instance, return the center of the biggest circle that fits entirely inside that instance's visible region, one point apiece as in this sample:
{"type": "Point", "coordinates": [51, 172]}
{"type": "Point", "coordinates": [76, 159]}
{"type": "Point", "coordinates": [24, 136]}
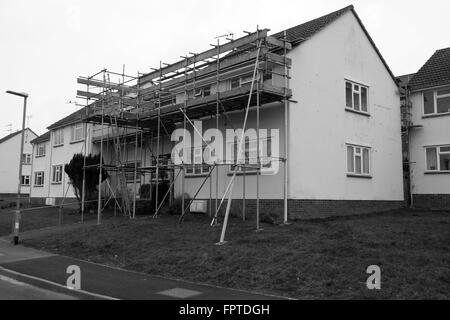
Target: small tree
{"type": "Point", "coordinates": [74, 170]}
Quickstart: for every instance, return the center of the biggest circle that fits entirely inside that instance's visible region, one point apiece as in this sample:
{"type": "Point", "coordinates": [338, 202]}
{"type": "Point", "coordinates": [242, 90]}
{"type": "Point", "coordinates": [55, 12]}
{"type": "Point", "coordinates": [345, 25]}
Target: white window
{"type": "Point", "coordinates": [58, 137]}
{"type": "Point", "coordinates": [77, 132]}
{"type": "Point", "coordinates": [358, 160]}
{"type": "Point", "coordinates": [26, 158]}
{"type": "Point", "coordinates": [57, 174]}
{"type": "Point", "coordinates": [250, 161]}
{"type": "Point", "coordinates": [25, 181]}
{"type": "Point", "coordinates": [39, 178]}
{"type": "Point", "coordinates": [438, 158]}
{"type": "Point", "coordinates": [436, 101]}
{"type": "Point", "coordinates": [356, 97]}
{"type": "Point", "coordinates": [129, 172]}
{"type": "Point", "coordinates": [40, 150]}
{"type": "Point", "coordinates": [198, 166]}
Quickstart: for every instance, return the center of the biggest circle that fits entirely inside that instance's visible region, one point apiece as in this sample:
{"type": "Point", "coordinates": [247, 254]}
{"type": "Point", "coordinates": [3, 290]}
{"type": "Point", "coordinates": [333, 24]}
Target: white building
{"type": "Point", "coordinates": [430, 134]}
{"type": "Point", "coordinates": [51, 152]}
{"type": "Point", "coordinates": [344, 132]}
{"type": "Point", "coordinates": [9, 170]}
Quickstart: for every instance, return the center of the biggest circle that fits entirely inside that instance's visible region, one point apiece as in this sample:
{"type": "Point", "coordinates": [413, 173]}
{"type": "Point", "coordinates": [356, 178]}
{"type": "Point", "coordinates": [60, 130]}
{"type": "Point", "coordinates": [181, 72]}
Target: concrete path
{"type": "Point", "coordinates": [103, 282]}
{"type": "Point", "coordinates": [11, 289]}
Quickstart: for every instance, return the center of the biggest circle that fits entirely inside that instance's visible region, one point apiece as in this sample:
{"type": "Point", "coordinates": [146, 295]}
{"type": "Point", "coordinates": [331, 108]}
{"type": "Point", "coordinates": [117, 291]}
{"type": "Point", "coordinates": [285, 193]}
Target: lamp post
{"type": "Point", "coordinates": [17, 212]}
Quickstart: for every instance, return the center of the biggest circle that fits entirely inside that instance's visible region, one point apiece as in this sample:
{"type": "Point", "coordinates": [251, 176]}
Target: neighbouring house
{"type": "Point", "coordinates": [342, 125]}
{"type": "Point", "coordinates": [9, 171]}
{"type": "Point", "coordinates": [429, 133]}
{"type": "Point", "coordinates": [51, 151]}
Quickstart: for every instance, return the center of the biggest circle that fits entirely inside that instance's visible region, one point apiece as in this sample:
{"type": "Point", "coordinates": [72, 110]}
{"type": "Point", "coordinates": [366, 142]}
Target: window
{"type": "Point", "coordinates": [356, 97]}
{"type": "Point", "coordinates": [58, 137]}
{"type": "Point", "coordinates": [247, 80]}
{"type": "Point", "coordinates": [202, 92]}
{"type": "Point", "coordinates": [25, 181]}
{"type": "Point", "coordinates": [198, 167]}
{"type": "Point", "coordinates": [436, 101]}
{"type": "Point", "coordinates": [39, 178]}
{"type": "Point", "coordinates": [40, 150]}
{"type": "Point", "coordinates": [438, 158]}
{"type": "Point", "coordinates": [129, 172]}
{"type": "Point", "coordinates": [235, 83]}
{"type": "Point", "coordinates": [358, 160]}
{"type": "Point", "coordinates": [57, 174]}
{"type": "Point", "coordinates": [77, 132]}
{"type": "Point", "coordinates": [250, 155]}
{"type": "Point", "coordinates": [26, 158]}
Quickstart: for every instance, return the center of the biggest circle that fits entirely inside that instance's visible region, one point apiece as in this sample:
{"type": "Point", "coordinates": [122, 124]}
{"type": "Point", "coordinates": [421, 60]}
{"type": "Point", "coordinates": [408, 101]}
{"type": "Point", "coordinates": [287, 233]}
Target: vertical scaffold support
{"type": "Point", "coordinates": [286, 132]}
{"type": "Point", "coordinates": [100, 177]}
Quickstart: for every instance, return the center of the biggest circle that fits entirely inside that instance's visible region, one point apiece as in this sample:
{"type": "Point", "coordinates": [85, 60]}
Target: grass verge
{"type": "Point", "coordinates": [320, 259]}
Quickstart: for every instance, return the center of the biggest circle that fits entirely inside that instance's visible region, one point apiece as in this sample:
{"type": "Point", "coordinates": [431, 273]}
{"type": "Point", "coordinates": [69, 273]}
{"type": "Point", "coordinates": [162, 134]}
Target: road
{"type": "Point", "coordinates": [11, 289]}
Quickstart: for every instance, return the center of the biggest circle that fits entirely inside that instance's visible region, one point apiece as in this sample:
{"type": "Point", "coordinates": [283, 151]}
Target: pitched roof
{"type": "Point", "coordinates": [435, 72]}
{"type": "Point", "coordinates": [306, 30]}
{"type": "Point", "coordinates": [72, 118]}
{"type": "Point", "coordinates": [12, 135]}
{"type": "Point", "coordinates": [301, 33]}
{"type": "Point", "coordinates": [41, 138]}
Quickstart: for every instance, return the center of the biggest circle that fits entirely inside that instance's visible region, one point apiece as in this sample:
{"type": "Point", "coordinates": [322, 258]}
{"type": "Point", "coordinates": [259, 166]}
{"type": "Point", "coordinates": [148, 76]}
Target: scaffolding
{"type": "Point", "coordinates": [150, 106]}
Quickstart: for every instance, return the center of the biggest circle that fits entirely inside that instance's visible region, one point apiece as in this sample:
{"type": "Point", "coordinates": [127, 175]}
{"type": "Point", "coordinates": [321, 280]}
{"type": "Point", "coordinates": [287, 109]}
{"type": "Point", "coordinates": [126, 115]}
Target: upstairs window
{"type": "Point", "coordinates": [436, 101]}
{"type": "Point", "coordinates": [356, 97]}
{"type": "Point", "coordinates": [358, 160]}
{"type": "Point", "coordinates": [77, 132]}
{"type": "Point", "coordinates": [58, 137]}
{"type": "Point", "coordinates": [438, 158]}
{"type": "Point", "coordinates": [26, 158]}
{"type": "Point", "coordinates": [40, 150]}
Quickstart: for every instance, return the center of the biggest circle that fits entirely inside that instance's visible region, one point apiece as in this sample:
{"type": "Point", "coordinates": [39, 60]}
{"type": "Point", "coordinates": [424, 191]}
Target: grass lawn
{"type": "Point", "coordinates": [318, 259]}
{"type": "Point", "coordinates": [41, 218]}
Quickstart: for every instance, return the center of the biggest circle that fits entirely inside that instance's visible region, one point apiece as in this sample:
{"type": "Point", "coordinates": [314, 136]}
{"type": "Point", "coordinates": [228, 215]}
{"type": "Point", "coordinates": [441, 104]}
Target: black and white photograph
{"type": "Point", "coordinates": [224, 159]}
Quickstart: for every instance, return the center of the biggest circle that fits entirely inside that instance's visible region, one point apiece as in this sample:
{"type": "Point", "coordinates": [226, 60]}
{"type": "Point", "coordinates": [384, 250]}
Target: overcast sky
{"type": "Point", "coordinates": [46, 44]}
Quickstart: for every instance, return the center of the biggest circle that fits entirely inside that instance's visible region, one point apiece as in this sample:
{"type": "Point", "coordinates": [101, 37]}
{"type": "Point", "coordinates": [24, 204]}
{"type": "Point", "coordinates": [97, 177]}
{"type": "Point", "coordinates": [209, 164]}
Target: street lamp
{"type": "Point", "coordinates": [17, 212]}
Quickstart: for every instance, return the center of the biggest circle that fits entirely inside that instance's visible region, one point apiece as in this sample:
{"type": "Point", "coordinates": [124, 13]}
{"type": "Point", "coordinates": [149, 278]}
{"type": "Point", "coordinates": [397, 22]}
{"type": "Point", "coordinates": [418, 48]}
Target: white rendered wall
{"type": "Point", "coordinates": [320, 126]}
{"type": "Point", "coordinates": [434, 131]}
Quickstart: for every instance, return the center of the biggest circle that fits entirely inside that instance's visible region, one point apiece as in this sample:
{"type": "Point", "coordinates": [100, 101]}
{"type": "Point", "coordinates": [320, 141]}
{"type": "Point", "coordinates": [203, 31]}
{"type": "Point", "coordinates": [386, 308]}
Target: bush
{"type": "Point", "coordinates": [270, 217]}
{"type": "Point", "coordinates": [144, 191]}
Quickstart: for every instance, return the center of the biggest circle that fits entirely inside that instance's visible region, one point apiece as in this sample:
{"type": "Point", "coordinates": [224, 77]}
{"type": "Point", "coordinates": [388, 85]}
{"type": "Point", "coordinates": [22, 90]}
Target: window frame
{"type": "Point", "coordinates": [42, 145]}
{"type": "Point", "coordinates": [361, 154]}
{"type": "Point", "coordinates": [41, 176]}
{"type": "Point", "coordinates": [23, 180]}
{"type": "Point", "coordinates": [193, 166]}
{"type": "Point", "coordinates": [60, 174]}
{"type": "Point", "coordinates": [361, 86]}
{"type": "Point", "coordinates": [435, 99]}
{"type": "Point", "coordinates": [266, 162]}
{"type": "Point", "coordinates": [58, 133]}
{"type": "Point", "coordinates": [129, 175]}
{"type": "Point", "coordinates": [73, 130]}
{"type": "Point", "coordinates": [438, 159]}
{"type": "Point", "coordinates": [27, 158]}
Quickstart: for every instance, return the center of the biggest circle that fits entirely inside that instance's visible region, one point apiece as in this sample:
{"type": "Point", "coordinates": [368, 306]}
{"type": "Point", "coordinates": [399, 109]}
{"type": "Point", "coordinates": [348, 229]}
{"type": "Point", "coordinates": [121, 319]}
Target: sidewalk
{"type": "Point", "coordinates": [49, 271]}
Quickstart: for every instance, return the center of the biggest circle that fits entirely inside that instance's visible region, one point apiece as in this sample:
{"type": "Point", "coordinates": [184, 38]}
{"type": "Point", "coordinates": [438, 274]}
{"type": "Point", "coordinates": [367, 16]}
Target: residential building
{"type": "Point", "coordinates": [326, 93]}
{"type": "Point", "coordinates": [51, 152]}
{"type": "Point", "coordinates": [429, 134]}
{"type": "Point", "coordinates": [9, 170]}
